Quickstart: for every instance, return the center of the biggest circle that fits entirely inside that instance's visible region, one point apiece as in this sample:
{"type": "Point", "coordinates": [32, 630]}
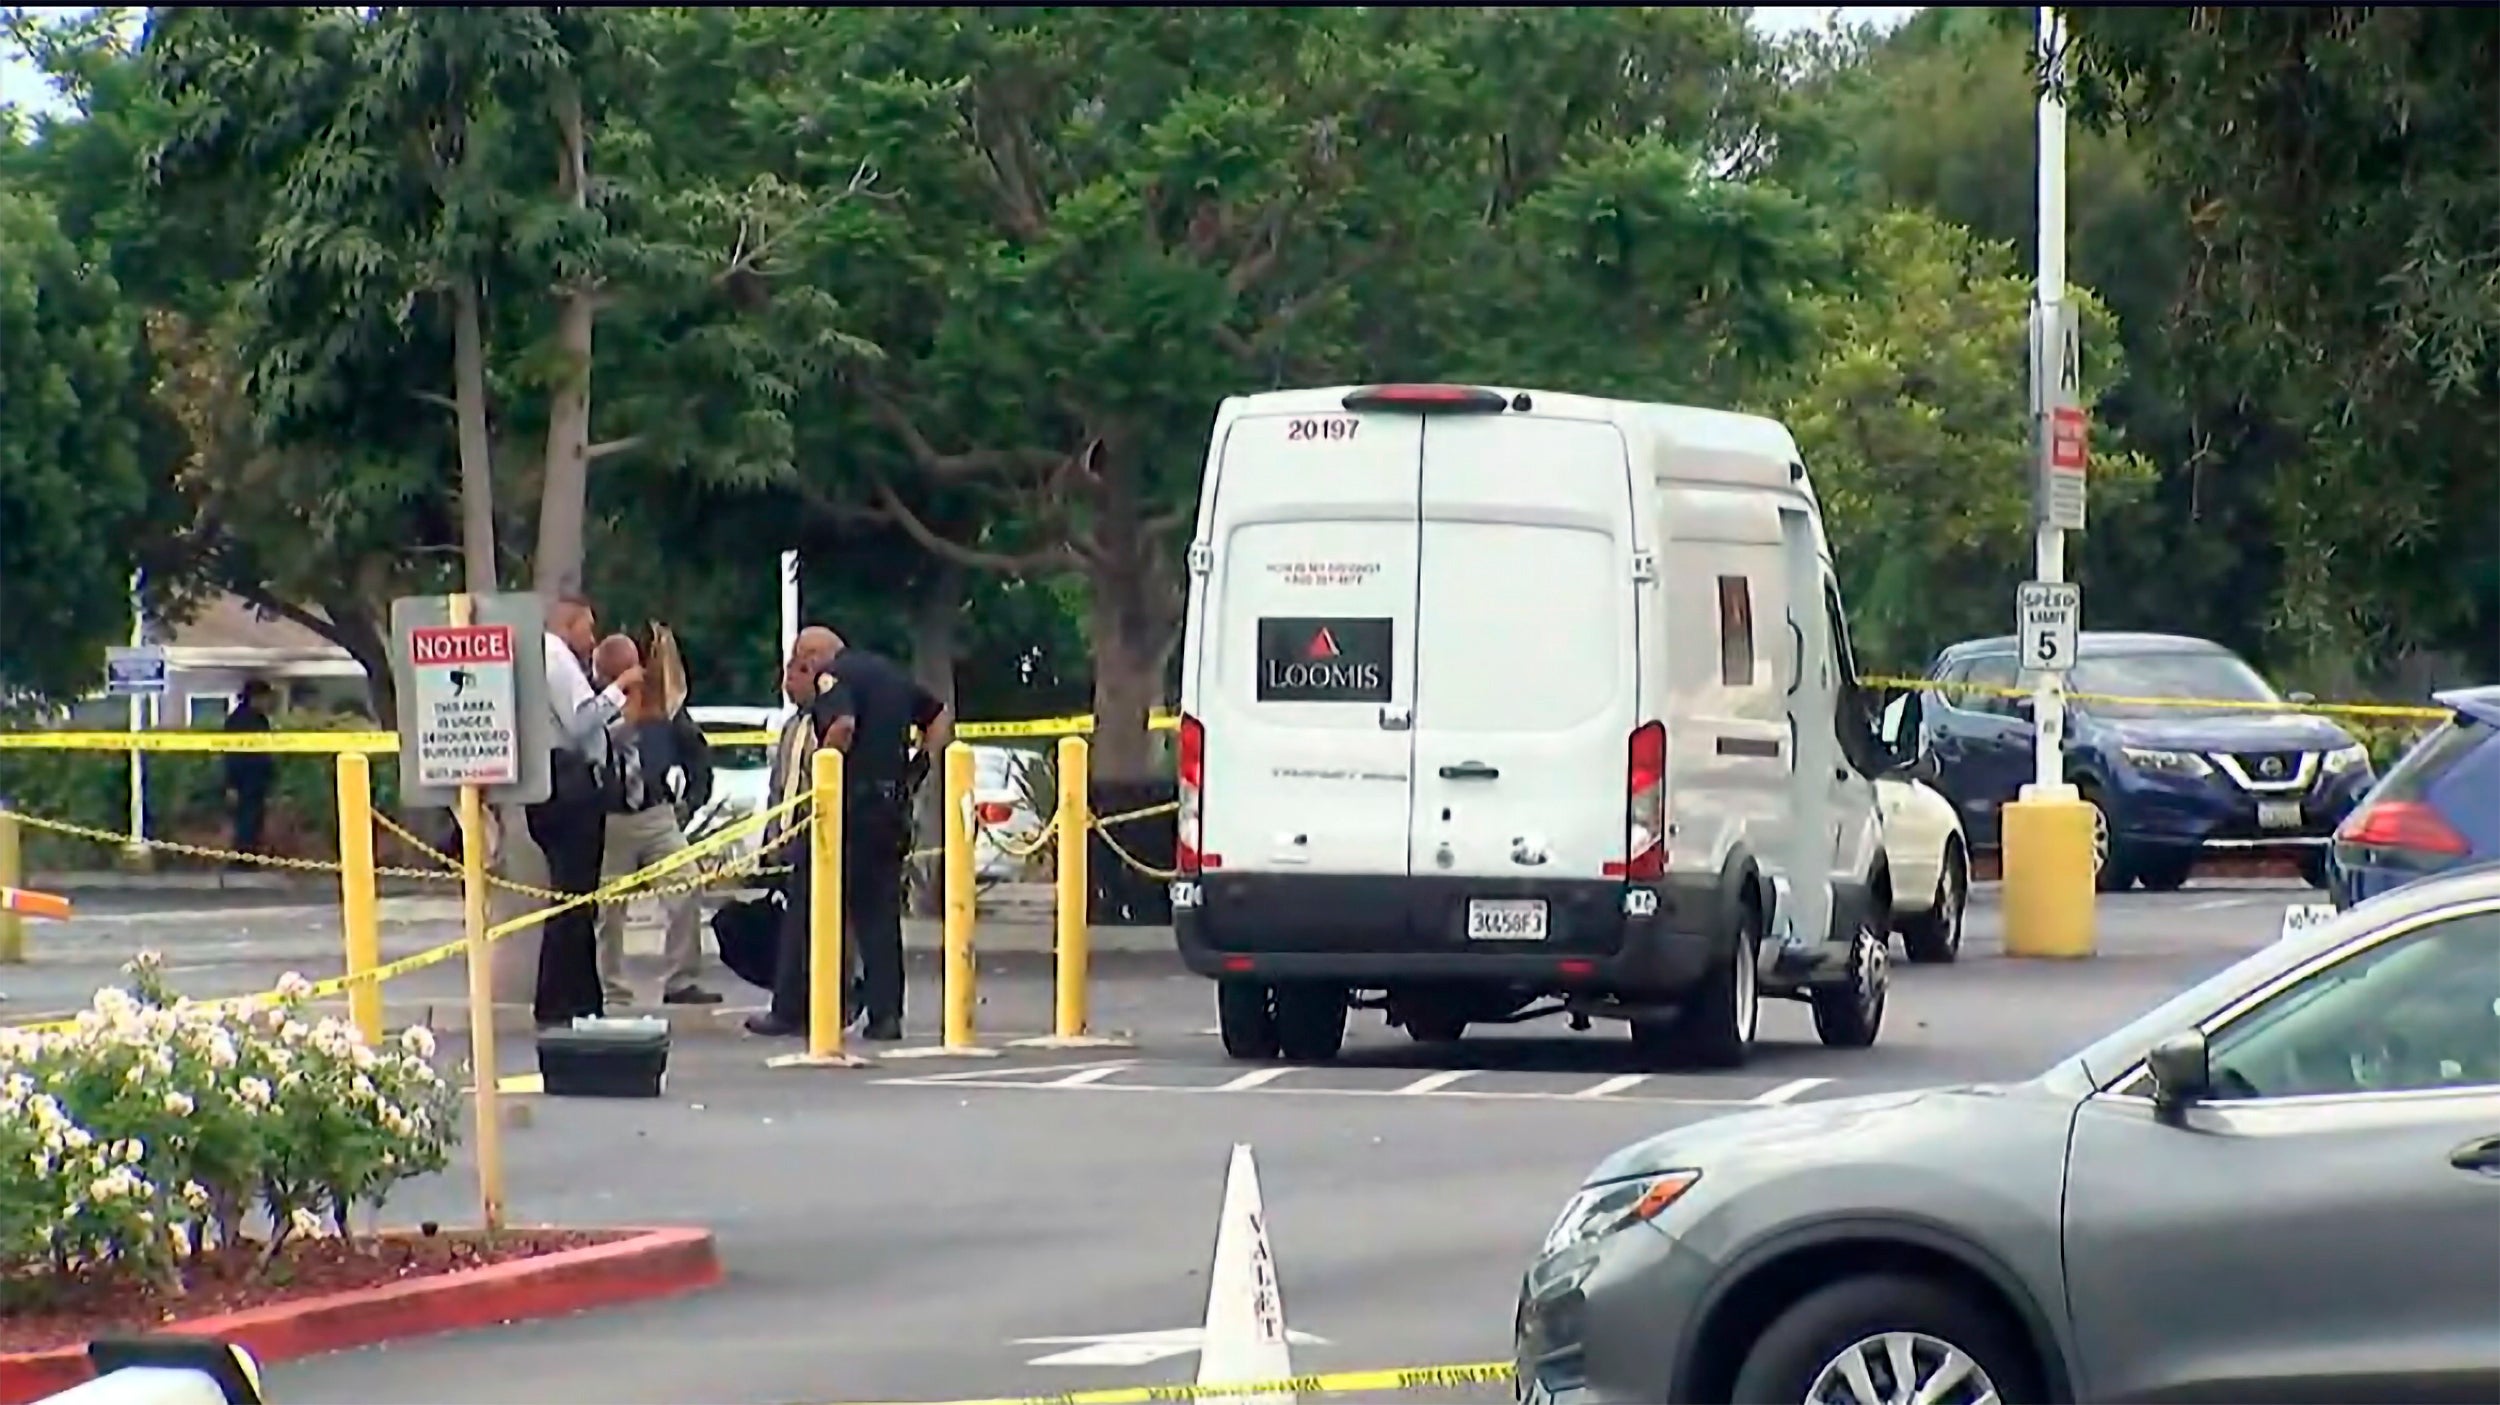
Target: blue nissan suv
{"type": "Point", "coordinates": [2170, 781]}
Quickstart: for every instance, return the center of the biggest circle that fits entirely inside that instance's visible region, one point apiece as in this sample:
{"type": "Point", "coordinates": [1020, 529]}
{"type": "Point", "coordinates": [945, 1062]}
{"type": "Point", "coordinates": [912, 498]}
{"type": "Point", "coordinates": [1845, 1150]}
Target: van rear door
{"type": "Point", "coordinates": [1528, 646]}
{"type": "Point", "coordinates": [1307, 676]}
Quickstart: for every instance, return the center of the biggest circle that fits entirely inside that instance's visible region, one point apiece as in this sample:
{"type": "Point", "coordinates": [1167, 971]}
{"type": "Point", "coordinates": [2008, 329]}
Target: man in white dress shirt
{"type": "Point", "coordinates": [570, 824]}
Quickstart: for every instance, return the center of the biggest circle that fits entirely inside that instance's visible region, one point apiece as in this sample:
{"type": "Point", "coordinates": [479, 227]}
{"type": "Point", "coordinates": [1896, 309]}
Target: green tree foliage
{"type": "Point", "coordinates": [1102, 222]}
{"type": "Point", "coordinates": [1913, 411]}
{"type": "Point", "coordinates": [74, 428]}
{"type": "Point", "coordinates": [2340, 171]}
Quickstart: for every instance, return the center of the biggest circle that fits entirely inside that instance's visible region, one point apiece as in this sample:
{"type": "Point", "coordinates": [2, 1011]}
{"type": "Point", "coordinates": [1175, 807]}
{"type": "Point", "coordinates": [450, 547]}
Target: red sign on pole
{"type": "Point", "coordinates": [2069, 436]}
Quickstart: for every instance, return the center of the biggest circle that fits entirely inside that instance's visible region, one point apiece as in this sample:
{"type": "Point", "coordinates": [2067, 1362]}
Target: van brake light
{"type": "Point", "coordinates": [1645, 805]}
{"type": "Point", "coordinates": [1191, 771]}
{"type": "Point", "coordinates": [1417, 399]}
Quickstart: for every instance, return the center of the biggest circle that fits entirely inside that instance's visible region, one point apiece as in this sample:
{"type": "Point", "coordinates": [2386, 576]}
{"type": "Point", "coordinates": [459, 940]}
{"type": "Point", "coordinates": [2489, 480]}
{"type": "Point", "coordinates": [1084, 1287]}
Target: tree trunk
{"type": "Point", "coordinates": [477, 466]}
{"type": "Point", "coordinates": [355, 629]}
{"type": "Point", "coordinates": [933, 641]}
{"type": "Point", "coordinates": [564, 500]}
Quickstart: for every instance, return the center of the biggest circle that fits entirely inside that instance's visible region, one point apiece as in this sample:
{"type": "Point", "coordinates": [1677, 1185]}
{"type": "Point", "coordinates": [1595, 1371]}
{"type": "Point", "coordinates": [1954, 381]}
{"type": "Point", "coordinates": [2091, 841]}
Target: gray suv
{"type": "Point", "coordinates": [2281, 1185]}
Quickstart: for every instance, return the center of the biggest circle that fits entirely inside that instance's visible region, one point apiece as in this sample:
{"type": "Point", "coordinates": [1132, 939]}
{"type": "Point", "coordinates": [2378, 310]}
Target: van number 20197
{"type": "Point", "coordinates": [1334, 427]}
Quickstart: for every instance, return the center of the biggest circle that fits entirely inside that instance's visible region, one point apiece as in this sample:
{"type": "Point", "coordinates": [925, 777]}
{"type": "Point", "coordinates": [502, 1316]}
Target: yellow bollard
{"type": "Point", "coordinates": [357, 908]}
{"type": "Point", "coordinates": [961, 993]}
{"type": "Point", "coordinates": [1075, 828]}
{"type": "Point", "coordinates": [2048, 890]}
{"type": "Point", "coordinates": [12, 875]}
{"type": "Point", "coordinates": [825, 973]}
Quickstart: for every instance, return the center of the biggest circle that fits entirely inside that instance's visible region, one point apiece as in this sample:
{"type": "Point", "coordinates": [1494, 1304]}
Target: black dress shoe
{"type": "Point", "coordinates": [774, 1028]}
{"type": "Point", "coordinates": [690, 995]}
{"type": "Point", "coordinates": [886, 1031]}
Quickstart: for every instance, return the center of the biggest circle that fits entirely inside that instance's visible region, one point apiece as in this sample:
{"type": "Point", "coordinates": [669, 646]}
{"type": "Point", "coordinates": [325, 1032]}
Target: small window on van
{"type": "Point", "coordinates": [1735, 631]}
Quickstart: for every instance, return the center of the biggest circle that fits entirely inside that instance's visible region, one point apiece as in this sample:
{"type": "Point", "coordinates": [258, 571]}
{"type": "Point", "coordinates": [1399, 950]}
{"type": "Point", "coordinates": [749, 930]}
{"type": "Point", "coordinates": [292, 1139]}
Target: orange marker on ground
{"type": "Point", "coordinates": [26, 902]}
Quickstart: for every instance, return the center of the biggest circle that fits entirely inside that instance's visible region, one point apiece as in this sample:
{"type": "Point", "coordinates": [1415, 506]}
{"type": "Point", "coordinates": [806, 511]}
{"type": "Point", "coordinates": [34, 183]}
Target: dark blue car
{"type": "Point", "coordinates": [2170, 781]}
{"type": "Point", "coordinates": [2438, 809]}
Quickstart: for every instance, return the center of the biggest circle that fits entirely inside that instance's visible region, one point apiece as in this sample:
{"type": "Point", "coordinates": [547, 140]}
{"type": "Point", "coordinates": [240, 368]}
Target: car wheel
{"type": "Point", "coordinates": [1245, 1015]}
{"type": "Point", "coordinates": [1849, 1012]}
{"type": "Point", "coordinates": [2110, 871]}
{"type": "Point", "coordinates": [1887, 1337]}
{"type": "Point", "coordinates": [2316, 871]}
{"type": "Point", "coordinates": [1934, 937]}
{"type": "Point", "coordinates": [2167, 874]}
{"type": "Point", "coordinates": [1715, 1028]}
{"type": "Point", "coordinates": [1310, 1021]}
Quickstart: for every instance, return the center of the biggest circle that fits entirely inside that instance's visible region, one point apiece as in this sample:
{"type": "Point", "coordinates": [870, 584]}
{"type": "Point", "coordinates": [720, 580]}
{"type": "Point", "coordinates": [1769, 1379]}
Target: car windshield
{"type": "Point", "coordinates": [2176, 678]}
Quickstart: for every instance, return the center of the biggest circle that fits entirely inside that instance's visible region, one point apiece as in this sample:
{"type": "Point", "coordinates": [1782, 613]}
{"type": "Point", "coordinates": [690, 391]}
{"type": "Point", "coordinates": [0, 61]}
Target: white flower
{"type": "Point", "coordinates": [195, 1195]}
{"type": "Point", "coordinates": [253, 1091]}
{"type": "Point", "coordinates": [131, 1151]}
{"type": "Point", "coordinates": [417, 1040]}
{"type": "Point", "coordinates": [306, 1224]}
{"type": "Point", "coordinates": [179, 1104]}
{"type": "Point", "coordinates": [150, 960]}
{"type": "Point", "coordinates": [293, 986]}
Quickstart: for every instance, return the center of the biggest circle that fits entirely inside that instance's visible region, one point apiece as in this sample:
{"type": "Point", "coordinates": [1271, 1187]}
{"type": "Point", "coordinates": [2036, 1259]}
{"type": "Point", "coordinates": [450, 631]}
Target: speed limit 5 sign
{"type": "Point", "coordinates": [2047, 615]}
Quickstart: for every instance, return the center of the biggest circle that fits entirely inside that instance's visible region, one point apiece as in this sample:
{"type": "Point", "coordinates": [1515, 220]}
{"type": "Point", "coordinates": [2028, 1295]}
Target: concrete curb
{"type": "Point", "coordinates": [653, 1263]}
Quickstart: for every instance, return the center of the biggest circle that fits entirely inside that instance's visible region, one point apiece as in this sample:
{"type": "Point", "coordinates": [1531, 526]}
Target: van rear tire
{"type": "Point", "coordinates": [1715, 1029]}
{"type": "Point", "coordinates": [1310, 1021]}
{"type": "Point", "coordinates": [1245, 1015]}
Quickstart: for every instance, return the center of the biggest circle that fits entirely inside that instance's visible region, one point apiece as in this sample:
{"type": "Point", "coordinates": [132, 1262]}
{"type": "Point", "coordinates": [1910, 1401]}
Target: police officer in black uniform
{"type": "Point", "coordinates": [866, 706]}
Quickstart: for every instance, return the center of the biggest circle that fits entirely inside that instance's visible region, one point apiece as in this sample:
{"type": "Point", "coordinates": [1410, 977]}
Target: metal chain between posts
{"type": "Point", "coordinates": [733, 868]}
{"type": "Point", "coordinates": [1102, 826]}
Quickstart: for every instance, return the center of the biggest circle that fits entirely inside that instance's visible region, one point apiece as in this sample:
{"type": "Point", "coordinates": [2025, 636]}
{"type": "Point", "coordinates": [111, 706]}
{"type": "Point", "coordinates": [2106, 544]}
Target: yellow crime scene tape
{"type": "Point", "coordinates": [1999, 690]}
{"type": "Point", "coordinates": [392, 970]}
{"type": "Point", "coordinates": [1397, 1378]}
{"type": "Point", "coordinates": [387, 743]}
{"type": "Point", "coordinates": [381, 743]}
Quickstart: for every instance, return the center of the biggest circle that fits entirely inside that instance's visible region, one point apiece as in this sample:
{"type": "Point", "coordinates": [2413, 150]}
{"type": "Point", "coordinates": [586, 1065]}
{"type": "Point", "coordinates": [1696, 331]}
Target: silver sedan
{"type": "Point", "coordinates": [2280, 1185]}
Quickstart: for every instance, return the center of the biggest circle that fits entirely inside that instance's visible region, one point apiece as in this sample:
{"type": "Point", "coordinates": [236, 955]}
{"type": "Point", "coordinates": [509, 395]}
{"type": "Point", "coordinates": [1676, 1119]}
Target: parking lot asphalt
{"type": "Point", "coordinates": [940, 1229]}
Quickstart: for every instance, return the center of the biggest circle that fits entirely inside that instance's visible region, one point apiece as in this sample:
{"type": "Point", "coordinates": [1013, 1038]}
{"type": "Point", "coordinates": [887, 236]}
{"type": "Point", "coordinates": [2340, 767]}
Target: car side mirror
{"type": "Point", "coordinates": [2301, 699]}
{"type": "Point", "coordinates": [1924, 767]}
{"type": "Point", "coordinates": [2182, 1070]}
{"type": "Point", "coordinates": [2025, 706]}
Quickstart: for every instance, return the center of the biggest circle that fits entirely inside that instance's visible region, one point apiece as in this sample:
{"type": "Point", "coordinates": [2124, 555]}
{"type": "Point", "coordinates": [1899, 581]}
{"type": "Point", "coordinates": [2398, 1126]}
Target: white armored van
{"type": "Point", "coordinates": [1502, 703]}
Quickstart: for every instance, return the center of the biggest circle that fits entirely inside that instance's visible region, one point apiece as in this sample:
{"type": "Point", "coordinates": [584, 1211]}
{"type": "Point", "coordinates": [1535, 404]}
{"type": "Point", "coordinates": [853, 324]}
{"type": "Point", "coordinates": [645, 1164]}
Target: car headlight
{"type": "Point", "coordinates": [1599, 1210]}
{"type": "Point", "coordinates": [2355, 757]}
{"type": "Point", "coordinates": [2168, 763]}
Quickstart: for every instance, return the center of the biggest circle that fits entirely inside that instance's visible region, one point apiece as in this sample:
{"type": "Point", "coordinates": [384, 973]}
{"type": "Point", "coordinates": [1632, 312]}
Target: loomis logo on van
{"type": "Point", "coordinates": [1337, 660]}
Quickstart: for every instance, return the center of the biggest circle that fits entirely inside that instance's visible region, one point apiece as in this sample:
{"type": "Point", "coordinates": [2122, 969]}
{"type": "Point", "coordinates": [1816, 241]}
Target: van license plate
{"type": "Point", "coordinates": [2278, 814]}
{"type": "Point", "coordinates": [1506, 920]}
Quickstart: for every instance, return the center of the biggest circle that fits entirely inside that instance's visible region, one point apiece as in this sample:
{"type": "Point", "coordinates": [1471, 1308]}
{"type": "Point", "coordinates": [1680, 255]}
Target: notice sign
{"type": "Point", "coordinates": [466, 714]}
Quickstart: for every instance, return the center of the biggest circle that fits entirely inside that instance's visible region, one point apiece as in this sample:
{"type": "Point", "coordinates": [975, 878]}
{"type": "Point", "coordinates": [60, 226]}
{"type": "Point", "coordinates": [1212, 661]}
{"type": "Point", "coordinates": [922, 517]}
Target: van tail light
{"type": "Point", "coordinates": [993, 812]}
{"type": "Point", "coordinates": [2403, 824]}
{"type": "Point", "coordinates": [1425, 399]}
{"type": "Point", "coordinates": [1192, 772]}
{"type": "Point", "coordinates": [1645, 806]}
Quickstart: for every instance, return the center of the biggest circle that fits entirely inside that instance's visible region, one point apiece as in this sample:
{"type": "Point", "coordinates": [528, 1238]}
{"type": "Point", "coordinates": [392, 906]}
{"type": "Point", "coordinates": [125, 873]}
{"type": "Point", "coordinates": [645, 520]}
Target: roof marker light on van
{"type": "Point", "coordinates": [1447, 399]}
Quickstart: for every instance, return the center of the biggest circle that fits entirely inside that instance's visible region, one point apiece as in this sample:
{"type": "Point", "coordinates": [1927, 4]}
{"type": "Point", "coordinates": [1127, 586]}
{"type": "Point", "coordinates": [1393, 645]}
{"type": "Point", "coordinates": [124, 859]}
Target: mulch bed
{"type": "Point", "coordinates": [225, 1281]}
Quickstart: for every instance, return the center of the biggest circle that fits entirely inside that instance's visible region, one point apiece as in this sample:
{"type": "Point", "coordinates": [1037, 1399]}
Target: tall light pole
{"type": "Point", "coordinates": [2056, 843]}
{"type": "Point", "coordinates": [2047, 347]}
{"type": "Point", "coordinates": [789, 602]}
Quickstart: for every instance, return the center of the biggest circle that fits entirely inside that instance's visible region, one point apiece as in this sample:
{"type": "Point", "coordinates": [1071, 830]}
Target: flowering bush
{"type": "Point", "coordinates": [157, 1129]}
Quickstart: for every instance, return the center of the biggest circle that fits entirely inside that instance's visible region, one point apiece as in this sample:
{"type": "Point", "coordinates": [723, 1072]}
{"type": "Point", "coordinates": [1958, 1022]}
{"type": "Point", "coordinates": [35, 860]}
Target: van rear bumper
{"type": "Point", "coordinates": [1366, 930]}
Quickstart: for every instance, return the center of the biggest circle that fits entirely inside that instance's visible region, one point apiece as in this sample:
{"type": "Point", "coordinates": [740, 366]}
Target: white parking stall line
{"type": "Point", "coordinates": [1607, 1088]}
{"type": "Point", "coordinates": [1788, 1092]}
{"type": "Point", "coordinates": [1255, 1078]}
{"type": "Point", "coordinates": [1084, 1076]}
{"type": "Point", "coordinates": [1434, 1082]}
{"type": "Point", "coordinates": [1263, 1077]}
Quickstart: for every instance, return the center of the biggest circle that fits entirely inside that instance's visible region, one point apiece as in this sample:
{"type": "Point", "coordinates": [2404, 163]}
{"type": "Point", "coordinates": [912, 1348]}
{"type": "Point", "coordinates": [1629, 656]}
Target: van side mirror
{"type": "Point", "coordinates": [2182, 1070]}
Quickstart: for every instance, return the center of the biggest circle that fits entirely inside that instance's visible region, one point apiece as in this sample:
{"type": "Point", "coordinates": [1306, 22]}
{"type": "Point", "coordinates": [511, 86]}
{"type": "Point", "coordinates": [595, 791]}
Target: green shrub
{"type": "Point", "coordinates": [155, 1130]}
